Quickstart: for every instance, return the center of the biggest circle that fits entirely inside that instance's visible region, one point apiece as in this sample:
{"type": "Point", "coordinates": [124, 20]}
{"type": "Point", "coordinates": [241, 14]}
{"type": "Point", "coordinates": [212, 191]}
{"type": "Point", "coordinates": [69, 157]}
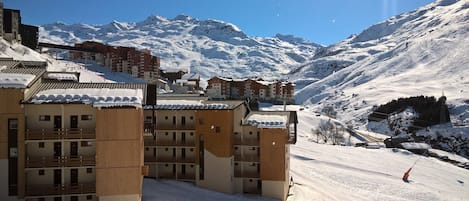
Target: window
{"type": "Point", "coordinates": [89, 170]}
{"type": "Point", "coordinates": [192, 134]}
{"type": "Point", "coordinates": [183, 120]}
{"type": "Point", "coordinates": [44, 117]}
{"type": "Point", "coordinates": [191, 149]}
{"type": "Point", "coordinates": [147, 149]}
{"type": "Point", "coordinates": [217, 129]}
{"type": "Point", "coordinates": [166, 133]}
{"type": "Point", "coordinates": [86, 117]}
{"type": "Point", "coordinates": [201, 120]}
{"type": "Point", "coordinates": [250, 132]}
{"type": "Point", "coordinates": [166, 149]}
{"type": "Point", "coordinates": [89, 197]}
{"type": "Point", "coordinates": [41, 144]}
{"type": "Point", "coordinates": [191, 117]}
{"type": "Point", "coordinates": [236, 148]}
{"type": "Point", "coordinates": [74, 198]}
{"type": "Point", "coordinates": [41, 199]}
{"type": "Point", "coordinates": [41, 172]}
{"type": "Point", "coordinates": [166, 117]}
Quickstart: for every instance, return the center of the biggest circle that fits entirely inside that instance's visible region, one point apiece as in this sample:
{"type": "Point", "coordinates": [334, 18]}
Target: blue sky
{"type": "Point", "coordinates": [320, 21]}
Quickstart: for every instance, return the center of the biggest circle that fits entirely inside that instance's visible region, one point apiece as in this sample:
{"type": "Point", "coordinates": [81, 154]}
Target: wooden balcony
{"type": "Point", "coordinates": [60, 134]}
{"type": "Point", "coordinates": [148, 129]}
{"type": "Point", "coordinates": [246, 142]}
{"type": "Point", "coordinates": [60, 189]}
{"type": "Point", "coordinates": [246, 174]}
{"type": "Point", "coordinates": [186, 177]}
{"type": "Point", "coordinates": [62, 161]}
{"type": "Point", "coordinates": [246, 158]}
{"type": "Point", "coordinates": [153, 159]}
{"type": "Point", "coordinates": [169, 143]}
{"type": "Point", "coordinates": [175, 127]}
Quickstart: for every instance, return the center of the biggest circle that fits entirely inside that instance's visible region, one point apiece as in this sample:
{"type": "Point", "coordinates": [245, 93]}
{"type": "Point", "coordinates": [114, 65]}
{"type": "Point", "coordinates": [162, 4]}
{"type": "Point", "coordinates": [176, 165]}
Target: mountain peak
{"type": "Point", "coordinates": [183, 17]}
{"type": "Point", "coordinates": [153, 19]}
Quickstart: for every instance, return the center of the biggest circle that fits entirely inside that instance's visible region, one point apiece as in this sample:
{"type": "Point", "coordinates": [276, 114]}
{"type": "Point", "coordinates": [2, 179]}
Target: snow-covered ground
{"type": "Point", "coordinates": [326, 172]}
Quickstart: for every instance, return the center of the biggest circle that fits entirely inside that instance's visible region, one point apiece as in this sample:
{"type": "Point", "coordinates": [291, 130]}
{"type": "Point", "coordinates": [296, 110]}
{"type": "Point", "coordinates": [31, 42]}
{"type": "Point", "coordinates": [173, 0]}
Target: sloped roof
{"type": "Point", "coordinates": [15, 80]}
{"type": "Point", "coordinates": [194, 104]}
{"type": "Point", "coordinates": [77, 86]}
{"type": "Point", "coordinates": [102, 97]}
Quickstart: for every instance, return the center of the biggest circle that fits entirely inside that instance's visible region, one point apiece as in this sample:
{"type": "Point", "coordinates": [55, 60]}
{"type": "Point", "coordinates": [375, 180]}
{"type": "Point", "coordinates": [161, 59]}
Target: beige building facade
{"type": "Point", "coordinates": [57, 148]}
{"type": "Point", "coordinates": [219, 145]}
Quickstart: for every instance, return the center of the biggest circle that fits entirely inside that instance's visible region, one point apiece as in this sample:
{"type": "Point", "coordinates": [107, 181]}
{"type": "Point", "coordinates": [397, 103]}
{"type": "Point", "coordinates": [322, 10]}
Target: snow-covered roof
{"type": "Point", "coordinates": [190, 105]}
{"type": "Point", "coordinates": [103, 97]}
{"type": "Point", "coordinates": [415, 145]}
{"type": "Point", "coordinates": [62, 76]}
{"type": "Point", "coordinates": [267, 120]}
{"type": "Point", "coordinates": [190, 76]}
{"type": "Point", "coordinates": [15, 80]}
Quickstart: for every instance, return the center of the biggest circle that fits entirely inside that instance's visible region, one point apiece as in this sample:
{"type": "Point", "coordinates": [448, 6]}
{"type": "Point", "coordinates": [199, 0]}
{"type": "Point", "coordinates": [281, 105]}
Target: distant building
{"type": "Point", "coordinates": [269, 91]}
{"type": "Point", "coordinates": [11, 25]}
{"type": "Point", "coordinates": [137, 63]}
{"type": "Point", "coordinates": [12, 30]}
{"type": "Point", "coordinates": [29, 36]}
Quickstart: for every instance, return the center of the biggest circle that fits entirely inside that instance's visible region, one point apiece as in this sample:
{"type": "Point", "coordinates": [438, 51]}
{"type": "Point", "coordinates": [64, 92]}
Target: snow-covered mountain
{"type": "Point", "coordinates": [210, 47]}
{"type": "Point", "coordinates": [422, 52]}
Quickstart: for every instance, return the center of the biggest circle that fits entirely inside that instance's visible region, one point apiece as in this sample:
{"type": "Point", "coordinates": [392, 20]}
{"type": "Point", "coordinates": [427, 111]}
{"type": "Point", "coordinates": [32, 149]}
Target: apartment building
{"type": "Point", "coordinates": [69, 140]}
{"type": "Point", "coordinates": [12, 30]}
{"type": "Point", "coordinates": [268, 91]}
{"type": "Point", "coordinates": [66, 140]}
{"type": "Point", "coordinates": [138, 63]}
{"type": "Point", "coordinates": [219, 145]}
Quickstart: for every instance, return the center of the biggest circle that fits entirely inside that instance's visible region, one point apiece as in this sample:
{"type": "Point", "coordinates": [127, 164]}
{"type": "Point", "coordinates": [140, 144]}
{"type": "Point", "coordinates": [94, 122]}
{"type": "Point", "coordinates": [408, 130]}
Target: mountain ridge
{"type": "Point", "coordinates": [205, 46]}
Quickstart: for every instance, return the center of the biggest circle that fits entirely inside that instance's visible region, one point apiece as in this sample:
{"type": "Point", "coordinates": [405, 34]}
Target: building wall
{"type": "Point", "coordinates": [218, 173]}
{"type": "Point", "coordinates": [275, 189]}
{"type": "Point", "coordinates": [216, 129]}
{"type": "Point", "coordinates": [119, 170]}
{"type": "Point", "coordinates": [274, 162]}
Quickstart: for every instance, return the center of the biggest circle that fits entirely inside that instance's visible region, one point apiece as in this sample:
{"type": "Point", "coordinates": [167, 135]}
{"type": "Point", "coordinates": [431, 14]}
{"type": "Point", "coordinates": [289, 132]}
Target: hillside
{"type": "Point", "coordinates": [210, 47]}
{"type": "Point", "coordinates": [422, 52]}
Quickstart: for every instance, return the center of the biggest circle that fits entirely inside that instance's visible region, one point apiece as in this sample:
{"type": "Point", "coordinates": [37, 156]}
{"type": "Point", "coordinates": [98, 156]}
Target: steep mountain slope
{"type": "Point", "coordinates": [209, 47]}
{"type": "Point", "coordinates": [423, 52]}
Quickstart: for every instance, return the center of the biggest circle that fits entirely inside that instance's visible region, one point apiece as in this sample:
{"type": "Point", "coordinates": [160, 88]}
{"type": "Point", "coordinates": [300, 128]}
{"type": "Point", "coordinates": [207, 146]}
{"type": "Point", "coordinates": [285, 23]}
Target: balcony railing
{"type": "Point", "coordinates": [186, 177]}
{"type": "Point", "coordinates": [148, 129]}
{"type": "Point", "coordinates": [247, 142]}
{"type": "Point", "coordinates": [61, 161]}
{"type": "Point", "coordinates": [60, 189]}
{"type": "Point", "coordinates": [176, 127]}
{"type": "Point", "coordinates": [152, 159]}
{"type": "Point", "coordinates": [171, 143]}
{"type": "Point", "coordinates": [246, 174]}
{"type": "Point", "coordinates": [246, 158]}
{"type": "Point", "coordinates": [60, 134]}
